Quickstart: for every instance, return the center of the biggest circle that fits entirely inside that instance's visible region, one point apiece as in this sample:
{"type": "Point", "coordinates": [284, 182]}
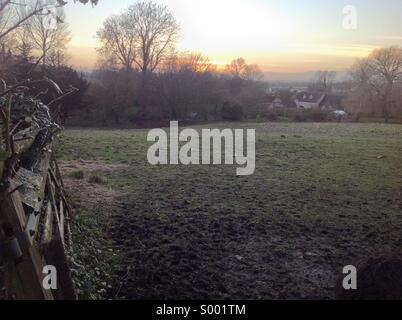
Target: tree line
{"type": "Point", "coordinates": [187, 87]}
{"type": "Point", "coordinates": [142, 77]}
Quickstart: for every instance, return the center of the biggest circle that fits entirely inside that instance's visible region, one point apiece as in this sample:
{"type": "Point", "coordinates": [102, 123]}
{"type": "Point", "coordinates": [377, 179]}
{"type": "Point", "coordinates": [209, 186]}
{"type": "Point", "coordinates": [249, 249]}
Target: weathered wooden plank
{"type": "Point", "coordinates": [52, 199]}
{"type": "Point", "coordinates": [24, 139]}
{"type": "Point", "coordinates": [56, 255]}
{"type": "Point", "coordinates": [32, 226]}
{"type": "Point", "coordinates": [57, 176]}
{"type": "Point", "coordinates": [29, 272]}
{"type": "Point", "coordinates": [43, 169]}
{"type": "Point", "coordinates": [25, 273]}
{"type": "Point", "coordinates": [32, 186]}
{"type": "Point", "coordinates": [62, 220]}
{"type": "Point", "coordinates": [48, 225]}
{"type": "Point", "coordinates": [12, 215]}
{"type": "Point", "coordinates": [60, 188]}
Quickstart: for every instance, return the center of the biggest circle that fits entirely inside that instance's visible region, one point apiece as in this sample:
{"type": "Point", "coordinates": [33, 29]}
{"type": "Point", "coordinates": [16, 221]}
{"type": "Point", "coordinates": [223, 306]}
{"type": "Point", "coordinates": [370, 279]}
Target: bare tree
{"type": "Point", "coordinates": [11, 20]}
{"type": "Point", "coordinates": [5, 17]}
{"type": "Point", "coordinates": [24, 45]}
{"type": "Point", "coordinates": [57, 57]}
{"type": "Point", "coordinates": [361, 98]}
{"type": "Point", "coordinates": [324, 81]}
{"type": "Point", "coordinates": [253, 73]}
{"type": "Point", "coordinates": [386, 65]}
{"type": "Point", "coordinates": [48, 42]}
{"type": "Point", "coordinates": [157, 33]}
{"type": "Point", "coordinates": [377, 80]}
{"type": "Point", "coordinates": [189, 61]}
{"type": "Point", "coordinates": [143, 37]}
{"type": "Point", "coordinates": [236, 68]}
{"type": "Point", "coordinates": [118, 41]}
{"type": "Point", "coordinates": [10, 17]}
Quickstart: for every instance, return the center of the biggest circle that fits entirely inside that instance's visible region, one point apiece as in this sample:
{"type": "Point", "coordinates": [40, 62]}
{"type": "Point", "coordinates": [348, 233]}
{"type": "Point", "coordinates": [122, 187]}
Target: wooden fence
{"type": "Point", "coordinates": [35, 232]}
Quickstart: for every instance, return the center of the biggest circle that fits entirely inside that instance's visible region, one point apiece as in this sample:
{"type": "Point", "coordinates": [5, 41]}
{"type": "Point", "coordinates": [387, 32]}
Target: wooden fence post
{"type": "Point", "coordinates": [24, 272]}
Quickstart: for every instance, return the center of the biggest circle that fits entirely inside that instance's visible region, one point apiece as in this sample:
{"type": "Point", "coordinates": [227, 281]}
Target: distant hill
{"type": "Point", "coordinates": [274, 77]}
{"type": "Point", "coordinates": [299, 77]}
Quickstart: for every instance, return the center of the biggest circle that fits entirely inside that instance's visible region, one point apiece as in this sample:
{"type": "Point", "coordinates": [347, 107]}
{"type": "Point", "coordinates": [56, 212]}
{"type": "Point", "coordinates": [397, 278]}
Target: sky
{"type": "Point", "coordinates": [280, 35]}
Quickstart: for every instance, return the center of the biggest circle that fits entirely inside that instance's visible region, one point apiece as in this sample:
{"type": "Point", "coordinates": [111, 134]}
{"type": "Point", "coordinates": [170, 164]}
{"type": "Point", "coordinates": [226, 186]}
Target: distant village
{"type": "Point", "coordinates": [304, 98]}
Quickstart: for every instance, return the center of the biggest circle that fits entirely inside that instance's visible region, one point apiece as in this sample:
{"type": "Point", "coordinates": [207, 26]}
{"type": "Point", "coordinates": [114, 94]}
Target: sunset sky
{"type": "Point", "coordinates": [280, 36]}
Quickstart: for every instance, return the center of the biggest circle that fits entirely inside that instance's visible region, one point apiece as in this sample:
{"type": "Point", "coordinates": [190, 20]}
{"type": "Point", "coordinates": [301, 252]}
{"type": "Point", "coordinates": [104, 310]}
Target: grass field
{"type": "Point", "coordinates": [323, 196]}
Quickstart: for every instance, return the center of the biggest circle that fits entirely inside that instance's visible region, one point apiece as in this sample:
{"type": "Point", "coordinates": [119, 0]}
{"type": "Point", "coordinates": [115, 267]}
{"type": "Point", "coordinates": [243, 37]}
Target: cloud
{"type": "Point", "coordinates": [393, 38]}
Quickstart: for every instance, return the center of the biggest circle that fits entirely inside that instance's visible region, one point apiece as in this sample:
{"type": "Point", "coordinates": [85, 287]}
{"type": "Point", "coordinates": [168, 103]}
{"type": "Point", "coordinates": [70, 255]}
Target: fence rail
{"type": "Point", "coordinates": [35, 232]}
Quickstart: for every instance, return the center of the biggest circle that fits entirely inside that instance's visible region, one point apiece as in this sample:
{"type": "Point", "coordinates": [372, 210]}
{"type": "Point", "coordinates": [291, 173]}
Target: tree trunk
{"type": "Point", "coordinates": [116, 118]}
{"type": "Point", "coordinates": [143, 97]}
{"type": "Point", "coordinates": [387, 102]}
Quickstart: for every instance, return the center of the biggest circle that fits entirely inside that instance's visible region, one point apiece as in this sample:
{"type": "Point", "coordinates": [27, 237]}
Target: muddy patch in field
{"type": "Point", "coordinates": [270, 268]}
{"type": "Point", "coordinates": [220, 256]}
{"type": "Point", "coordinates": [89, 166]}
{"type": "Point", "coordinates": [91, 192]}
{"type": "Point", "coordinates": [83, 181]}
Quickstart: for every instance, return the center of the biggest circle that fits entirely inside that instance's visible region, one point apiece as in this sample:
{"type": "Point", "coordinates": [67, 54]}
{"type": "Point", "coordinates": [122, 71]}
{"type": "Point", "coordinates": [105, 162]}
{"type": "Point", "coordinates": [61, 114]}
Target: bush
{"type": "Point", "coordinates": [232, 112]}
{"type": "Point", "coordinates": [318, 115]}
{"type": "Point", "coordinates": [273, 115]}
{"type": "Point", "coordinates": [79, 174]}
{"type": "Point", "coordinates": [300, 117]}
{"type": "Point", "coordinates": [311, 115]}
{"type": "Point", "coordinates": [95, 179]}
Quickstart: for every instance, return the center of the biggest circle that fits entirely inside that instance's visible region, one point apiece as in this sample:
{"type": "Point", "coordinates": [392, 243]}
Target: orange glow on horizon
{"type": "Point", "coordinates": [296, 60]}
{"type": "Point", "coordinates": [279, 36]}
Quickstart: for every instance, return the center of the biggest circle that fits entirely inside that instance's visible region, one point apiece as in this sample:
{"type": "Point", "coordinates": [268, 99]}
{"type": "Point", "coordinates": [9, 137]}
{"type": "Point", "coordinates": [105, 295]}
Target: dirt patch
{"type": "Point", "coordinates": [86, 188]}
{"type": "Point", "coordinates": [89, 165]}
{"type": "Point", "coordinates": [198, 256]}
{"type": "Point", "coordinates": [91, 192]}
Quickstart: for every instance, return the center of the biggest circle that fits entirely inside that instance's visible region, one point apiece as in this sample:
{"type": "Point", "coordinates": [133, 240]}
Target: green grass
{"type": "Point", "coordinates": [323, 196]}
{"type": "Point", "coordinates": [79, 174]}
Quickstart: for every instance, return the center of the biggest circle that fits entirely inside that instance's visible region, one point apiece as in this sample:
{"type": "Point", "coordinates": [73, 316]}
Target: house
{"type": "Point", "coordinates": [277, 103]}
{"type": "Point", "coordinates": [267, 102]}
{"type": "Point", "coordinates": [332, 102]}
{"type": "Point", "coordinates": [298, 89]}
{"type": "Point", "coordinates": [272, 101]}
{"type": "Point", "coordinates": [323, 101]}
{"type": "Point", "coordinates": [309, 100]}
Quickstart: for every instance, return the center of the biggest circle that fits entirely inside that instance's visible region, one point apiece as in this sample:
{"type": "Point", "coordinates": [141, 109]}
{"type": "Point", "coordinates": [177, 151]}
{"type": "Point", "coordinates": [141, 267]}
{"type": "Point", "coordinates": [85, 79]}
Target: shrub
{"type": "Point", "coordinates": [299, 116]}
{"type": "Point", "coordinates": [273, 115]}
{"type": "Point", "coordinates": [232, 112]}
{"type": "Point", "coordinates": [79, 174]}
{"type": "Point", "coordinates": [311, 115]}
{"type": "Point", "coordinates": [318, 115]}
{"type": "Point", "coordinates": [97, 179]}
